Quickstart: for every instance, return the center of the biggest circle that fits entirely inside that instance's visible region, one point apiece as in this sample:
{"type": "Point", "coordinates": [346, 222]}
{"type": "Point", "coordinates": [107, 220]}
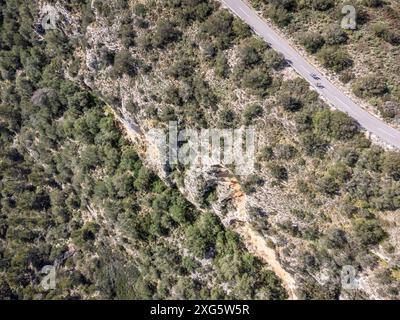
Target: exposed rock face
{"type": "Point", "coordinates": [231, 204]}
{"type": "Point", "coordinates": [42, 96]}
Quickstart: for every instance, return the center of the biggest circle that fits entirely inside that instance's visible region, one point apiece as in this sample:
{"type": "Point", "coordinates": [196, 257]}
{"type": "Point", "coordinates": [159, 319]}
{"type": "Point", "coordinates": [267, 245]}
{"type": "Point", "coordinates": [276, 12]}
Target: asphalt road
{"type": "Point", "coordinates": [330, 92]}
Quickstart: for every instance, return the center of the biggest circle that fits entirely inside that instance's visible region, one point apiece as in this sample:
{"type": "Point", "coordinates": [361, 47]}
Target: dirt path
{"type": "Point", "coordinates": [254, 242]}
{"type": "Point", "coordinates": [257, 245]}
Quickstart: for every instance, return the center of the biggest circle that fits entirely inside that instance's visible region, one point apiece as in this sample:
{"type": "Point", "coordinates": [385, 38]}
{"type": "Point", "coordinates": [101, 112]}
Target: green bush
{"type": "Point", "coordinates": [335, 58]}
{"type": "Point", "coordinates": [251, 112]}
{"type": "Point", "coordinates": [373, 3]}
{"type": "Point", "coordinates": [140, 10]}
{"type": "Point", "coordinates": [334, 124]}
{"type": "Point", "coordinates": [278, 172]}
{"type": "Point", "coordinates": [287, 4]}
{"type": "Point", "coordinates": [312, 41]}
{"type": "Point", "coordinates": [144, 179]}
{"type": "Point", "coordinates": [127, 35]}
{"type": "Point", "coordinates": [279, 15]}
{"type": "Point", "coordinates": [257, 80]}
{"type": "Point", "coordinates": [290, 103]}
{"type": "Point", "coordinates": [182, 68]}
{"type": "Point", "coordinates": [221, 66]}
{"type": "Point", "coordinates": [370, 86]}
{"type": "Point", "coordinates": [241, 29]}
{"type": "Point", "coordinates": [266, 153]}
{"type": "Point", "coordinates": [390, 109]}
{"type": "Point", "coordinates": [248, 56]}
{"type": "Point", "coordinates": [250, 183]}
{"type": "Point", "coordinates": [322, 5]}
{"type": "Point", "coordinates": [385, 32]}
{"type": "Point", "coordinates": [368, 232]}
{"type": "Point", "coordinates": [165, 34]}
{"type": "Point", "coordinates": [391, 165]}
{"type": "Point", "coordinates": [274, 59]}
{"type": "Point", "coordinates": [202, 236]}
{"type": "Point", "coordinates": [335, 35]}
{"type": "Point", "coordinates": [314, 145]}
{"type": "Point", "coordinates": [328, 185]}
{"type": "Point", "coordinates": [226, 118]}
{"type": "Point", "coordinates": [124, 63]}
{"type": "Point", "coordinates": [219, 26]}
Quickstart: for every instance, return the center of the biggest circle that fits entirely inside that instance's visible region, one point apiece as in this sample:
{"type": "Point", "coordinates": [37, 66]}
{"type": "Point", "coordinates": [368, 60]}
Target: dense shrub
{"type": "Point", "coordinates": [368, 232]}
{"type": "Point", "coordinates": [390, 109]}
{"type": "Point", "coordinates": [322, 5]}
{"type": "Point", "coordinates": [251, 182]}
{"type": "Point", "coordinates": [226, 117]}
{"type": "Point", "coordinates": [312, 41]}
{"type": "Point", "coordinates": [391, 165]}
{"type": "Point", "coordinates": [328, 185]}
{"type": "Point", "coordinates": [279, 15]}
{"type": "Point", "coordinates": [334, 124]}
{"type": "Point", "coordinates": [219, 26]}
{"type": "Point", "coordinates": [241, 29]}
{"type": "Point", "coordinates": [124, 63]}
{"type": "Point", "coordinates": [287, 4]}
{"type": "Point", "coordinates": [164, 34]}
{"type": "Point", "coordinates": [314, 145]}
{"type": "Point", "coordinates": [335, 35]}
{"type": "Point", "coordinates": [248, 56]}
{"type": "Point", "coordinates": [278, 172]}
{"type": "Point", "coordinates": [202, 236]}
{"type": "Point", "coordinates": [335, 58]}
{"type": "Point", "coordinates": [257, 80]}
{"type": "Point", "coordinates": [274, 59]}
{"type": "Point", "coordinates": [336, 238]}
{"type": "Point", "coordinates": [290, 103]}
{"type": "Point", "coordinates": [373, 3]}
{"type": "Point", "coordinates": [251, 112]}
{"type": "Point", "coordinates": [127, 35]}
{"type": "Point", "coordinates": [221, 67]}
{"type": "Point", "coordinates": [182, 68]}
{"type": "Point", "coordinates": [385, 32]}
{"type": "Point", "coordinates": [370, 86]}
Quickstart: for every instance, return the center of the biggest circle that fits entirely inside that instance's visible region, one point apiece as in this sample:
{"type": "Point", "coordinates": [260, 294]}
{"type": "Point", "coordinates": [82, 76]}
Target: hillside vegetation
{"type": "Point", "coordinates": [322, 196]}
{"type": "Point", "coordinates": [365, 59]}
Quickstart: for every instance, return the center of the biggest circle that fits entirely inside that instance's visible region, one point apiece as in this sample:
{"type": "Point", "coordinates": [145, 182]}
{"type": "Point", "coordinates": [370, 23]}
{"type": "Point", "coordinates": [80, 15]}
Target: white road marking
{"type": "Point", "coordinates": [244, 12]}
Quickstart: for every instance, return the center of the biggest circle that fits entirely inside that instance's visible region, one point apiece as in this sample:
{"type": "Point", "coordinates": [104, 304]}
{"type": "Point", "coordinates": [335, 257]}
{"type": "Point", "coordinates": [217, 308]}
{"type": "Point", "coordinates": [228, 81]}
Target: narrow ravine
{"type": "Point", "coordinates": [254, 242]}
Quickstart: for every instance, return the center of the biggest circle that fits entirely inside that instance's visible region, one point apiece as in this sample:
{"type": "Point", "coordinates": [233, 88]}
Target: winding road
{"type": "Point", "coordinates": [325, 88]}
